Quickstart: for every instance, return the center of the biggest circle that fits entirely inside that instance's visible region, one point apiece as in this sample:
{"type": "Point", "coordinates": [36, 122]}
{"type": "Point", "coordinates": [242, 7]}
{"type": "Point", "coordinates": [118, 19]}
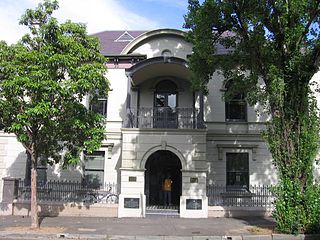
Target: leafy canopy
{"type": "Point", "coordinates": [43, 81]}
{"type": "Point", "coordinates": [270, 50]}
{"type": "Point", "coordinates": [266, 37]}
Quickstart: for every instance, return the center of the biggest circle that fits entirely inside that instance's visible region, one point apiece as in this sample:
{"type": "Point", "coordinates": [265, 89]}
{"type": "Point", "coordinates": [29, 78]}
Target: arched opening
{"type": "Point", "coordinates": [159, 165]}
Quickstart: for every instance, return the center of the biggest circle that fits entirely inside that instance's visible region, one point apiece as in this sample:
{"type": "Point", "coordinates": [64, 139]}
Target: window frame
{"type": "Point", "coordinates": [92, 169]}
{"type": "Point", "coordinates": [238, 100]}
{"type": "Point", "coordinates": [103, 111]}
{"type": "Point", "coordinates": [166, 91]}
{"type": "Point", "coordinates": [238, 172]}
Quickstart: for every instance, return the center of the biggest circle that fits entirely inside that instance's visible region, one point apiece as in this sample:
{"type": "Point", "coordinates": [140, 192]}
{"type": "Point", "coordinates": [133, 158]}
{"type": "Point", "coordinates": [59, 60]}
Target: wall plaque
{"type": "Point", "coordinates": [194, 204]}
{"type": "Point", "coordinates": [131, 202]}
{"type": "Point", "coordinates": [193, 180]}
{"type": "Point", "coordinates": [132, 179]}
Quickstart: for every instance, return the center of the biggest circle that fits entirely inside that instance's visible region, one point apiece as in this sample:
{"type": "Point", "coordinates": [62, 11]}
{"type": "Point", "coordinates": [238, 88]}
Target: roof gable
{"type": "Point", "coordinates": [113, 42]}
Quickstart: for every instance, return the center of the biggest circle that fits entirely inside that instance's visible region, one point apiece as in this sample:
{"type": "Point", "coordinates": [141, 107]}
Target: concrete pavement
{"type": "Point", "coordinates": [154, 228]}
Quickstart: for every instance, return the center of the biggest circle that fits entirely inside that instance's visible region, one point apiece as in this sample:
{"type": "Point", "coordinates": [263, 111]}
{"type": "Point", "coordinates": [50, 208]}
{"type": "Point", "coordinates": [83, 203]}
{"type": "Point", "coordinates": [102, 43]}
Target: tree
{"type": "Point", "coordinates": [273, 52]}
{"type": "Point", "coordinates": [43, 81]}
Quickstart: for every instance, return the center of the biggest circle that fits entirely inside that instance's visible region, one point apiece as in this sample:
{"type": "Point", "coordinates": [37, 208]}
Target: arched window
{"type": "Point", "coordinates": [166, 94]}
{"type": "Point", "coordinates": [235, 104]}
{"type": "Point", "coordinates": [165, 103]}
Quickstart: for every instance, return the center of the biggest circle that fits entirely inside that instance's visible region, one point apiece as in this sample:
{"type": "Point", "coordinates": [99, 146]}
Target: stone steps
{"type": "Point", "coordinates": [163, 211]}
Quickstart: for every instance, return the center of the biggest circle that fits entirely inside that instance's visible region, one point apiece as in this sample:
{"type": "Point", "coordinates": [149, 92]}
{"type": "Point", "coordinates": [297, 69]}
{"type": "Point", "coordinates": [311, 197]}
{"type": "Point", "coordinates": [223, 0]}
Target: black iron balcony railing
{"type": "Point", "coordinates": [163, 117]}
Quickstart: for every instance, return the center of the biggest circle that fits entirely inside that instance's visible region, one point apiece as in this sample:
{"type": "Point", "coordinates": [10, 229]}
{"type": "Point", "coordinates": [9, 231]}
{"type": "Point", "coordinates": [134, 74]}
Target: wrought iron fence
{"type": "Point", "coordinates": [69, 191]}
{"type": "Point", "coordinates": [164, 117]}
{"type": "Point", "coordinates": [254, 196]}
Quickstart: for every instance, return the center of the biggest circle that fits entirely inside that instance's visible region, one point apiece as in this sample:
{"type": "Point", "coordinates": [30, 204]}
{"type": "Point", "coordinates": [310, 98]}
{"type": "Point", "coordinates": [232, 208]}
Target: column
{"type": "Point", "coordinates": [200, 117]}
{"type": "Point", "coordinates": [194, 200]}
{"type": "Point", "coordinates": [128, 122]}
{"type": "Point", "coordinates": [132, 200]}
{"type": "Point", "coordinates": [9, 193]}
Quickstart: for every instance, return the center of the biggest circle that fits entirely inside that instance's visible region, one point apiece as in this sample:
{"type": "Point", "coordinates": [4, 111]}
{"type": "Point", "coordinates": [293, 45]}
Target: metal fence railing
{"type": "Point", "coordinates": [69, 191]}
{"type": "Point", "coordinates": [75, 191]}
{"type": "Point", "coordinates": [254, 196]}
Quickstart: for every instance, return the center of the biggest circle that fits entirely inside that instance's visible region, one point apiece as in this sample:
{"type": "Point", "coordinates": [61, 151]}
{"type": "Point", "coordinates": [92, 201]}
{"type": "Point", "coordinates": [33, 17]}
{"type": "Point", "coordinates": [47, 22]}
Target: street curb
{"type": "Point", "coordinates": [10, 235]}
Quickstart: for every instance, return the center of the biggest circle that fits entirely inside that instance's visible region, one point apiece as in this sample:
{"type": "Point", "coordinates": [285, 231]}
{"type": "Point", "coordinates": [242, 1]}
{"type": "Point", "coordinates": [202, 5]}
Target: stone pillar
{"type": "Point", "coordinates": [10, 189]}
{"type": "Point", "coordinates": [132, 200]}
{"type": "Point", "coordinates": [9, 194]}
{"type": "Point", "coordinates": [194, 200]}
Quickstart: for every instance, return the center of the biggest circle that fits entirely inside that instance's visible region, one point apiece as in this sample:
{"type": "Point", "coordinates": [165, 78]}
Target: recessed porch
{"type": "Point", "coordinates": [160, 96]}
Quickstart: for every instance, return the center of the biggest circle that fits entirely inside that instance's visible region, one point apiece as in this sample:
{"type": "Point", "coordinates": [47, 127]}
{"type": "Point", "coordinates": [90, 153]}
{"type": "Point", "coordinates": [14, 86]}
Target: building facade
{"type": "Point", "coordinates": [157, 127]}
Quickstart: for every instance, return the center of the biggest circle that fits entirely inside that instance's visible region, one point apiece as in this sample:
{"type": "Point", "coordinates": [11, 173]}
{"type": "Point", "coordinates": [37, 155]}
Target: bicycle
{"type": "Point", "coordinates": [101, 196]}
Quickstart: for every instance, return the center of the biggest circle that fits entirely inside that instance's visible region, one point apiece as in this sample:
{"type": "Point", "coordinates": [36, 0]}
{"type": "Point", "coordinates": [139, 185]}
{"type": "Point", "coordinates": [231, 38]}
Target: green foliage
{"type": "Point", "coordinates": [273, 50]}
{"type": "Point", "coordinates": [296, 212]}
{"type": "Point", "coordinates": [44, 79]}
{"type": "Point", "coordinates": [294, 150]}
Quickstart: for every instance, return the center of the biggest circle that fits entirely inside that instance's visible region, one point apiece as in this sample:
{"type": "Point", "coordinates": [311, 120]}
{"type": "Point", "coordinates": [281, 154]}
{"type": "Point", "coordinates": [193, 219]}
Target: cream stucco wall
{"type": "Point", "coordinates": [12, 158]}
{"type": "Point", "coordinates": [185, 96]}
{"type": "Point", "coordinates": [155, 46]}
{"type": "Point", "coordinates": [215, 105]}
{"type": "Point", "coordinates": [117, 97]}
{"type": "Point", "coordinates": [190, 145]}
{"type": "Point", "coordinates": [261, 169]}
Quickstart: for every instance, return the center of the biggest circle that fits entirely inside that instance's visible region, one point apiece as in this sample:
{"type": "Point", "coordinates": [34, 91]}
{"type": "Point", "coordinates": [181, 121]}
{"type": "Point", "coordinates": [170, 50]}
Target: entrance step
{"type": "Point", "coordinates": [162, 211]}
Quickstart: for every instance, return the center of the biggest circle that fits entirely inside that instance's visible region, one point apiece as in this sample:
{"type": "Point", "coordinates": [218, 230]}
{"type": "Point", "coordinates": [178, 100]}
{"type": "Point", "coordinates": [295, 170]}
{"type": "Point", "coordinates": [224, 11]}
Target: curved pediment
{"type": "Point", "coordinates": [161, 42]}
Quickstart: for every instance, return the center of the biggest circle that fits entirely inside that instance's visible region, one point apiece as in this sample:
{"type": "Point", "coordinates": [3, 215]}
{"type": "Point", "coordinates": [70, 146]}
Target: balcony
{"type": "Point", "coordinates": [163, 117]}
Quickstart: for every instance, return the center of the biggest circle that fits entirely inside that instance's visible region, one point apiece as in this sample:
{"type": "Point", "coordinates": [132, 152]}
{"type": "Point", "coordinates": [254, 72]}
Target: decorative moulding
{"type": "Point", "coordinates": [253, 147]}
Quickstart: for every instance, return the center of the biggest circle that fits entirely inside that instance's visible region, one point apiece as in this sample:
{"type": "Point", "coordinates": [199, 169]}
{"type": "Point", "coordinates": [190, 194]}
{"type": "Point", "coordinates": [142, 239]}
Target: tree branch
{"type": "Point", "coordinates": [313, 15]}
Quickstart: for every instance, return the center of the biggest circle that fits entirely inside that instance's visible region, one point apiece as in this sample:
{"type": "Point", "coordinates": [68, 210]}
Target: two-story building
{"type": "Point", "coordinates": [157, 126]}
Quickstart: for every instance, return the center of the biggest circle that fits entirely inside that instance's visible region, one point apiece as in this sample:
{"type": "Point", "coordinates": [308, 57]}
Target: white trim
{"type": "Point", "coordinates": [124, 40]}
{"type": "Point", "coordinates": [223, 148]}
{"type": "Point", "coordinates": [238, 150]}
{"type": "Point", "coordinates": [167, 148]}
{"type": "Point", "coordinates": [153, 33]}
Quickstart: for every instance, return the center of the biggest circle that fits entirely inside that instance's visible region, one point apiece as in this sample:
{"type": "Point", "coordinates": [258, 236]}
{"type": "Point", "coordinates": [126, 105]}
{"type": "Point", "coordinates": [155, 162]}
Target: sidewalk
{"type": "Point", "coordinates": [16, 227]}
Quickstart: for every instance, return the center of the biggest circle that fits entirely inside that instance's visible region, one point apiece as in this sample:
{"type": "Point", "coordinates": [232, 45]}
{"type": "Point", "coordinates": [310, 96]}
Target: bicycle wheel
{"type": "Point", "coordinates": [90, 198]}
{"type": "Point", "coordinates": [112, 198]}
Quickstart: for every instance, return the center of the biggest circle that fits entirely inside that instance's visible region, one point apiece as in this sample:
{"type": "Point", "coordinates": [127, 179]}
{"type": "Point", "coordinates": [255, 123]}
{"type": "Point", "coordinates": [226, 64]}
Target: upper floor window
{"type": "Point", "coordinates": [166, 94]}
{"type": "Point", "coordinates": [235, 106]}
{"type": "Point", "coordinates": [100, 106]}
{"type": "Point", "coordinates": [165, 103]}
{"type": "Point", "coordinates": [237, 170]}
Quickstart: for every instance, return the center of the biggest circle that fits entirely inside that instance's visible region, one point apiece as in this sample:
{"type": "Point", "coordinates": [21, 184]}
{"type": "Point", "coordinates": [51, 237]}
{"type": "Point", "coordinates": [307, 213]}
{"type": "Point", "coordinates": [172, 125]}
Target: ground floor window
{"type": "Point", "coordinates": [237, 170]}
{"type": "Point", "coordinates": [94, 169]}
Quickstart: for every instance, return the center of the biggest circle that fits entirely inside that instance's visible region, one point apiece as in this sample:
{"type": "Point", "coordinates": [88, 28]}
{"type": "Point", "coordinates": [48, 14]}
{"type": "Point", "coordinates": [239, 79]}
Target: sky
{"type": "Point", "coordinates": [98, 15]}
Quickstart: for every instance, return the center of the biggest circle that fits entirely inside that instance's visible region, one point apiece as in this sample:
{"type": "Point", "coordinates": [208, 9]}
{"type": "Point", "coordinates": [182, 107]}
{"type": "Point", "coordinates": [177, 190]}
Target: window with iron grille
{"type": "Point", "coordinates": [237, 170]}
{"type": "Point", "coordinates": [94, 169]}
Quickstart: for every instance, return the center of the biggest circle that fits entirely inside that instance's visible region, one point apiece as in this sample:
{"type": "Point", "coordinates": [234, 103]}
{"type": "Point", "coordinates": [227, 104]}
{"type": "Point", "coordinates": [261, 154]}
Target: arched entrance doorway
{"type": "Point", "coordinates": [158, 166]}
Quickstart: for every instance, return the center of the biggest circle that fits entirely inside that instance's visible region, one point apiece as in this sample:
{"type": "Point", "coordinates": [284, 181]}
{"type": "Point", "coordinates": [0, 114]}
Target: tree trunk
{"type": "Point", "coordinates": [34, 203]}
{"type": "Point", "coordinates": [27, 178]}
